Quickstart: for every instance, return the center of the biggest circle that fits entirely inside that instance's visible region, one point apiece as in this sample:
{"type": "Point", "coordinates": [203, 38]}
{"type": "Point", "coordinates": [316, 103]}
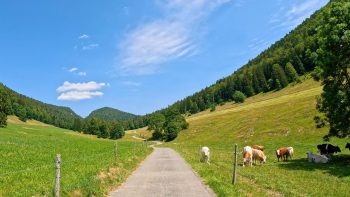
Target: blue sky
{"type": "Point", "coordinates": [137, 56]}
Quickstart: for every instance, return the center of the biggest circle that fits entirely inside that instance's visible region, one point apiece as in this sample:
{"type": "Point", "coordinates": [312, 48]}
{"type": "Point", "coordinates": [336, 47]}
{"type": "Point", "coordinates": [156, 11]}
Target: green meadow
{"type": "Point", "coordinates": [275, 119]}
{"type": "Point", "coordinates": [88, 168]}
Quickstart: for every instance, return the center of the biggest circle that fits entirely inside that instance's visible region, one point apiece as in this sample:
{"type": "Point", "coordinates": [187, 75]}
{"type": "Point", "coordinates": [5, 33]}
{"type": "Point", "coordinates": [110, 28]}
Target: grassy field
{"type": "Point", "coordinates": [276, 119]}
{"type": "Point", "coordinates": [27, 152]}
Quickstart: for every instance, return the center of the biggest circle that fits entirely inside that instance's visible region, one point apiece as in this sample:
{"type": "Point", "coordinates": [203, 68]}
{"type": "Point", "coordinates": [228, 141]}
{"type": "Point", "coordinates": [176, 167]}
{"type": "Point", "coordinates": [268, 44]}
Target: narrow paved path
{"type": "Point", "coordinates": [163, 173]}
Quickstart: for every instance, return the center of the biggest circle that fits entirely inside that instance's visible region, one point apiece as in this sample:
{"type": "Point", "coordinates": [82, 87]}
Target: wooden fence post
{"type": "Point", "coordinates": [235, 166]}
{"type": "Point", "coordinates": [115, 151]}
{"type": "Point", "coordinates": [58, 175]}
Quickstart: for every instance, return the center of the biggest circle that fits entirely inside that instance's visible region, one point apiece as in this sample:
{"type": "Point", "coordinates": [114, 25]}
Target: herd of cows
{"type": "Point", "coordinates": [254, 153]}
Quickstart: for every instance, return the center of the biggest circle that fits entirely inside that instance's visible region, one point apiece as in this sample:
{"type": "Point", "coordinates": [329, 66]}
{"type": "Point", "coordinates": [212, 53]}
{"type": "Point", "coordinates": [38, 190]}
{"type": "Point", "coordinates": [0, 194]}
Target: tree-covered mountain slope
{"type": "Point", "coordinates": [13, 103]}
{"type": "Point", "coordinates": [110, 114]}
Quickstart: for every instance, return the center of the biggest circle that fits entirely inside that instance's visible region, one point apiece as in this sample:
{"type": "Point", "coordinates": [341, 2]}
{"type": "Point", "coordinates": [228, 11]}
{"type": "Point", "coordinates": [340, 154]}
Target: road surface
{"type": "Point", "coordinates": [163, 173]}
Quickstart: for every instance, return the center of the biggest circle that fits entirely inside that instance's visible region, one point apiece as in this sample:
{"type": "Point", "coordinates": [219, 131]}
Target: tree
{"type": "Point", "coordinates": [3, 116]}
{"type": "Point", "coordinates": [278, 76]}
{"type": "Point", "coordinates": [334, 62]}
{"type": "Point", "coordinates": [117, 131]}
{"type": "Point", "coordinates": [238, 97]}
{"type": "Point", "coordinates": [291, 73]}
{"type": "Point", "coordinates": [156, 122]}
{"type": "Point", "coordinates": [78, 124]}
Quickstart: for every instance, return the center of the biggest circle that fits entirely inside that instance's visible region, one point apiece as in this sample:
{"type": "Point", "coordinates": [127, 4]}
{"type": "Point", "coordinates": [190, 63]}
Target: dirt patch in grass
{"type": "Point", "coordinates": [75, 193]}
{"type": "Point", "coordinates": [108, 175]}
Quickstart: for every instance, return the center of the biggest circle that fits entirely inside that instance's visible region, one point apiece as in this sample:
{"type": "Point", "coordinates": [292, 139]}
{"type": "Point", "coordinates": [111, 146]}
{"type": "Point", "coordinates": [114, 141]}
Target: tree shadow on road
{"type": "Point", "coordinates": [339, 165]}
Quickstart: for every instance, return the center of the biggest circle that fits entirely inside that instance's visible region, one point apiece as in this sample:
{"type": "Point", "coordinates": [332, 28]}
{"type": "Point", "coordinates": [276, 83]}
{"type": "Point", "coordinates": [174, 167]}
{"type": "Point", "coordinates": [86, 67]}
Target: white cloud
{"type": "Point", "coordinates": [78, 95]}
{"type": "Point", "coordinates": [89, 86]}
{"type": "Point", "coordinates": [83, 36]}
{"type": "Point", "coordinates": [170, 37]}
{"type": "Point", "coordinates": [79, 91]}
{"type": "Point", "coordinates": [90, 46]}
{"type": "Point", "coordinates": [72, 69]}
{"type": "Point", "coordinates": [295, 15]}
{"type": "Point", "coordinates": [82, 73]}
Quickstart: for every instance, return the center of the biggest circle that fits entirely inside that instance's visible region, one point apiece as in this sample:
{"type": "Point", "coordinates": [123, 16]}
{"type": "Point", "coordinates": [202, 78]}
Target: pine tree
{"type": "Point", "coordinates": [291, 73]}
{"type": "Point", "coordinates": [278, 76]}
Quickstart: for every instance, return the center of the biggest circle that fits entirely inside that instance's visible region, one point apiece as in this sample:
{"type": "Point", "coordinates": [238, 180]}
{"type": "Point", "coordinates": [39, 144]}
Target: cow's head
{"type": "Point", "coordinates": [337, 149]}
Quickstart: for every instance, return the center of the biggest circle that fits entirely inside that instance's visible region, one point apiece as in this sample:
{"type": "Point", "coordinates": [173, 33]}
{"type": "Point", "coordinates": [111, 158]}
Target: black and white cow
{"type": "Point", "coordinates": [347, 146]}
{"type": "Point", "coordinates": [328, 149]}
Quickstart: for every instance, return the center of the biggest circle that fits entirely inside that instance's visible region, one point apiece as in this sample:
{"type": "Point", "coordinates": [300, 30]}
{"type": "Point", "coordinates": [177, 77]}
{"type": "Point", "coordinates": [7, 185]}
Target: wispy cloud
{"type": "Point", "coordinates": [83, 36]}
{"type": "Point", "coordinates": [82, 73]}
{"type": "Point", "coordinates": [72, 69]}
{"type": "Point", "coordinates": [75, 70]}
{"type": "Point", "coordinates": [170, 37]}
{"type": "Point", "coordinates": [90, 46]}
{"type": "Point", "coordinates": [291, 17]}
{"type": "Point", "coordinates": [79, 91]}
{"type": "Point", "coordinates": [85, 43]}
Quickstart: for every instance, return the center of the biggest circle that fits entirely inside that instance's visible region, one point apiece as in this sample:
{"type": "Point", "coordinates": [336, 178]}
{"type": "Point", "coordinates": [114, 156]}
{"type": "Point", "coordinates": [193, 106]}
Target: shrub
{"type": "Point", "coordinates": [238, 97]}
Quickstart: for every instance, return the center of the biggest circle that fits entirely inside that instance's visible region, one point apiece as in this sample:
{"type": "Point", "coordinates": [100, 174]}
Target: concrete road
{"type": "Point", "coordinates": [163, 173]}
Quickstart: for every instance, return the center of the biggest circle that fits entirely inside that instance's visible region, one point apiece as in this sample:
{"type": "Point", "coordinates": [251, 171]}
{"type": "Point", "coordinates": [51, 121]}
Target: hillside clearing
{"type": "Point", "coordinates": [275, 119]}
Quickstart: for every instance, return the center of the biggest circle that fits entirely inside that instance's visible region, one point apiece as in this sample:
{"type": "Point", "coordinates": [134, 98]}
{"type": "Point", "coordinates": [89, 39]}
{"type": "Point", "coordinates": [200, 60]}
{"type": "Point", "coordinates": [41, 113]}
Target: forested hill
{"type": "Point", "coordinates": [13, 103]}
{"type": "Point", "coordinates": [110, 114]}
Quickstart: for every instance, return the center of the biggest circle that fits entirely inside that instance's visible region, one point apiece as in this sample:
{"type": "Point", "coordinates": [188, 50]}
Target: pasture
{"type": "Point", "coordinates": [276, 119]}
{"type": "Point", "coordinates": [27, 153]}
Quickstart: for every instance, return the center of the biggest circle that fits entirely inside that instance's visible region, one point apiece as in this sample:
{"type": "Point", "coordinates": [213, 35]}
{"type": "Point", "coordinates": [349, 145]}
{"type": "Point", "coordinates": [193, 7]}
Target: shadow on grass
{"type": "Point", "coordinates": [339, 165]}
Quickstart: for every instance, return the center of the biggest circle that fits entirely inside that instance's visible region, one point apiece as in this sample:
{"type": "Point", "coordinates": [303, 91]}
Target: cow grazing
{"type": "Point", "coordinates": [258, 155]}
{"type": "Point", "coordinates": [291, 152]}
{"type": "Point", "coordinates": [328, 149]}
{"type": "Point", "coordinates": [247, 155]}
{"type": "Point", "coordinates": [316, 158]}
{"type": "Point", "coordinates": [282, 153]}
{"type": "Point", "coordinates": [347, 146]}
{"type": "Point", "coordinates": [205, 154]}
{"type": "Point", "coordinates": [257, 147]}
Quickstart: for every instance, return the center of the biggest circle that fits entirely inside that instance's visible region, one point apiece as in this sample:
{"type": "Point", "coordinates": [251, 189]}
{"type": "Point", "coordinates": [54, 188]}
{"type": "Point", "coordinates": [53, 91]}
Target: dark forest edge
{"type": "Point", "coordinates": [306, 49]}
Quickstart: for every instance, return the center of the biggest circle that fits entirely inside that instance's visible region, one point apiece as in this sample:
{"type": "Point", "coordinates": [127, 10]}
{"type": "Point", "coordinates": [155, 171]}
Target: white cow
{"type": "Point", "coordinates": [316, 158]}
{"type": "Point", "coordinates": [205, 154]}
{"type": "Point", "coordinates": [247, 155]}
{"type": "Point", "coordinates": [291, 152]}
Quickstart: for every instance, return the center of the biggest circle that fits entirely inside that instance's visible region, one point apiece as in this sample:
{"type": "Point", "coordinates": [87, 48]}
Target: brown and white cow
{"type": "Point", "coordinates": [258, 155]}
{"type": "Point", "coordinates": [283, 153]}
{"type": "Point", "coordinates": [247, 155]}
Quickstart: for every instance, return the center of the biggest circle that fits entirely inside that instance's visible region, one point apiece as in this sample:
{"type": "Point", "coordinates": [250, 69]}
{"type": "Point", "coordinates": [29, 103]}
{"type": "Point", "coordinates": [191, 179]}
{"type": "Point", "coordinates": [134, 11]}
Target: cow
{"type": "Point", "coordinates": [258, 155]}
{"type": "Point", "coordinates": [328, 149]}
{"type": "Point", "coordinates": [247, 155]}
{"type": "Point", "coordinates": [282, 153]}
{"type": "Point", "coordinates": [205, 154]}
{"type": "Point", "coordinates": [257, 147]}
{"type": "Point", "coordinates": [291, 152]}
{"type": "Point", "coordinates": [347, 146]}
{"type": "Point", "coordinates": [316, 158]}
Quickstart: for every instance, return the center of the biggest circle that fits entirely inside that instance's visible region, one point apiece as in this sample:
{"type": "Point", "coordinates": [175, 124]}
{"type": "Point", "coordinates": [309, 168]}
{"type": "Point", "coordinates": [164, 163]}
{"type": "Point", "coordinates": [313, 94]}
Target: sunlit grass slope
{"type": "Point", "coordinates": [27, 166]}
{"type": "Point", "coordinates": [276, 119]}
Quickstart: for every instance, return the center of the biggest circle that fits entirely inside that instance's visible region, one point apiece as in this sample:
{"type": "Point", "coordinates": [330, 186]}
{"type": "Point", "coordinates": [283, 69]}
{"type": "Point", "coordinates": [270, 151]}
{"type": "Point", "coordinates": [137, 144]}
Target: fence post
{"type": "Point", "coordinates": [58, 175]}
{"type": "Point", "coordinates": [115, 151]}
{"type": "Point", "coordinates": [235, 166]}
